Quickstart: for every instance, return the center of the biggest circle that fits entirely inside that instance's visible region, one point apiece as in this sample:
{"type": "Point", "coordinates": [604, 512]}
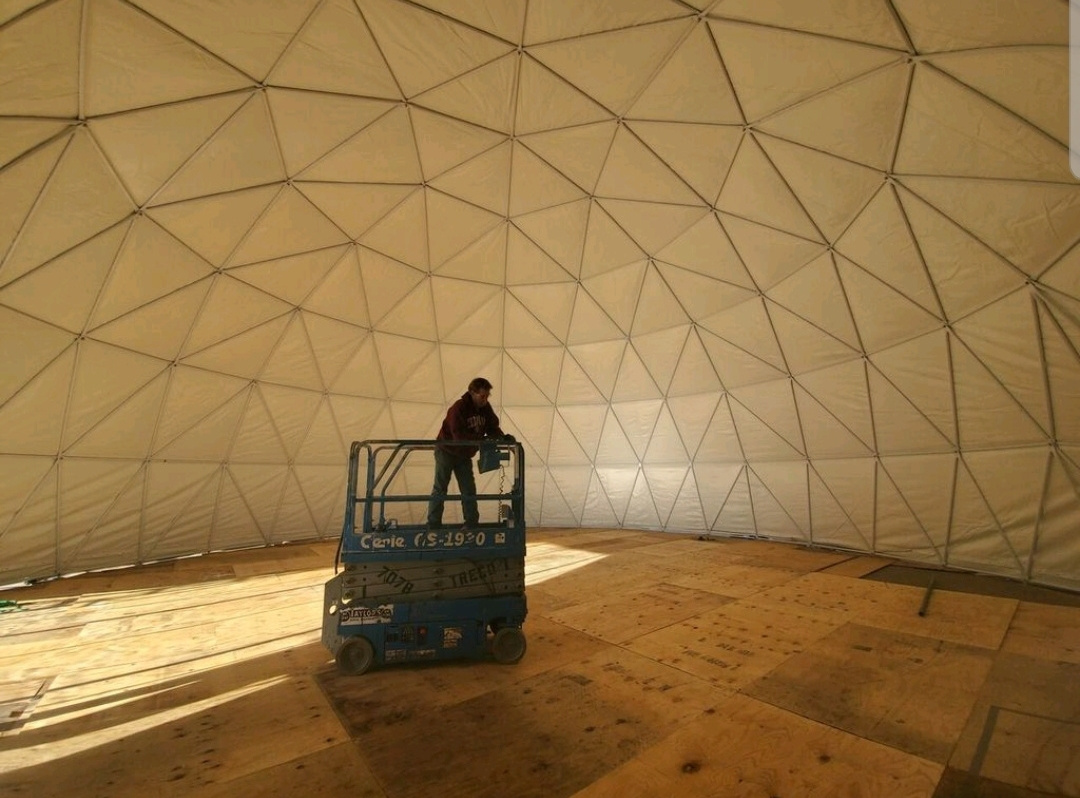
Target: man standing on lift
{"type": "Point", "coordinates": [470, 418]}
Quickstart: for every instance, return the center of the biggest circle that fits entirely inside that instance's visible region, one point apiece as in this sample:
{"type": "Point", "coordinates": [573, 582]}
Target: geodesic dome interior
{"type": "Point", "coordinates": [800, 269]}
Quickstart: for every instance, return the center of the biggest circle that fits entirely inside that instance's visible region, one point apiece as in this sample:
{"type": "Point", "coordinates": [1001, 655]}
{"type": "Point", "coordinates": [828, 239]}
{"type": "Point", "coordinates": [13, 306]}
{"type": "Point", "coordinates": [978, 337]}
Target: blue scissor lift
{"type": "Point", "coordinates": [409, 593]}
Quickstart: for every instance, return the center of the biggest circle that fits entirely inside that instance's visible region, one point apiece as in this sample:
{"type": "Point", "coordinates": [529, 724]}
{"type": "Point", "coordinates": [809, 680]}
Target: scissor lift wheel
{"type": "Point", "coordinates": [508, 646]}
{"type": "Point", "coordinates": [355, 656]}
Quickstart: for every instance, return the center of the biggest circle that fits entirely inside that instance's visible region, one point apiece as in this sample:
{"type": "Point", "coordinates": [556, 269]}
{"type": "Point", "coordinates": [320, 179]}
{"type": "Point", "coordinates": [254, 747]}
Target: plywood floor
{"type": "Point", "coordinates": [657, 665]}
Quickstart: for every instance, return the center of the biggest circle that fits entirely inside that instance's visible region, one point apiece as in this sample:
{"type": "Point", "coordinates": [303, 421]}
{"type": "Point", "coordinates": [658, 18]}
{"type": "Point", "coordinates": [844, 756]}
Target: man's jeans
{"type": "Point", "coordinates": [462, 469]}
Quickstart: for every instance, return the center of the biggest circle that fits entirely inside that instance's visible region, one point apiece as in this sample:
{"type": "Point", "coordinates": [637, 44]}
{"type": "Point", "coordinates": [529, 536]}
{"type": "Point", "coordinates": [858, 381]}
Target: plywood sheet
{"type": "Point", "coordinates": [734, 581]}
{"type": "Point", "coordinates": [614, 573]}
{"type": "Point", "coordinates": [621, 616]}
{"type": "Point", "coordinates": [605, 539]}
{"type": "Point", "coordinates": [146, 641]}
{"type": "Point", "coordinates": [79, 698]}
{"type": "Point", "coordinates": [906, 691]}
{"type": "Point", "coordinates": [390, 696]}
{"type": "Point", "coordinates": [1045, 631]}
{"type": "Point", "coordinates": [17, 703]}
{"type": "Point", "coordinates": [1025, 727]}
{"type": "Point", "coordinates": [958, 784]}
{"type": "Point", "coordinates": [738, 643]}
{"type": "Point", "coordinates": [549, 735]}
{"type": "Point", "coordinates": [306, 562]}
{"type": "Point", "coordinates": [335, 772]}
{"type": "Point", "coordinates": [747, 748]}
{"type": "Point", "coordinates": [955, 617]}
{"type": "Point", "coordinates": [770, 554]}
{"type": "Point", "coordinates": [857, 567]}
{"type": "Point", "coordinates": [175, 742]}
{"type": "Point", "coordinates": [546, 561]}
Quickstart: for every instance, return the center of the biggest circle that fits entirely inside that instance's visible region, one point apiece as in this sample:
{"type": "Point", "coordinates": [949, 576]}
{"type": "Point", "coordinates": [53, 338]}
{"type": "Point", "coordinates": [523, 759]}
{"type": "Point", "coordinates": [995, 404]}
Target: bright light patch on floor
{"type": "Point", "coordinates": [69, 746]}
{"type": "Point", "coordinates": [547, 560]}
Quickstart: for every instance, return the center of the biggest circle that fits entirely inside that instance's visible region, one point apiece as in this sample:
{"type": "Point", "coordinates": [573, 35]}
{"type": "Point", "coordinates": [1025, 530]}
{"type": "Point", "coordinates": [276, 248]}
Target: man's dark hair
{"type": "Point", "coordinates": [479, 384]}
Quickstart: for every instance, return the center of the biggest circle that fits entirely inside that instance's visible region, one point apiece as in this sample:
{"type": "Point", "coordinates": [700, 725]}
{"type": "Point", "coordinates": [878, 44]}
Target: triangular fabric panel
{"type": "Point", "coordinates": [880, 241]}
{"type": "Point", "coordinates": [601, 360]}
{"type": "Point", "coordinates": [661, 353]}
{"type": "Point", "coordinates": [665, 483]}
{"type": "Point", "coordinates": [736, 516]}
{"type": "Point", "coordinates": [104, 376]}
{"type": "Point", "coordinates": [18, 543]}
{"type": "Point", "coordinates": [859, 121]}
{"type": "Point", "coordinates": [562, 19]}
{"type": "Point", "coordinates": [229, 160]}
{"type": "Point", "coordinates": [966, 274]}
{"type": "Point", "coordinates": [1023, 67]}
{"type": "Point", "coordinates": [781, 499]}
{"type": "Point", "coordinates": [1005, 338]}
{"type": "Point", "coordinates": [975, 534]}
{"type": "Point", "coordinates": [310, 124]}
{"type": "Point", "coordinates": [602, 66]}
{"type": "Point", "coordinates": [920, 369]}
{"type": "Point", "coordinates": [831, 190]}
{"type": "Point", "coordinates": [634, 381]}
{"type": "Point", "coordinates": [842, 502]}
{"type": "Point", "coordinates": [483, 96]}
{"type": "Point", "coordinates": [19, 136]}
{"type": "Point", "coordinates": [706, 248]}
{"type": "Point", "coordinates": [22, 183]}
{"type": "Point", "coordinates": [47, 84]}
{"type": "Point", "coordinates": [579, 152]}
{"type": "Point", "coordinates": [767, 420]}
{"type": "Point", "coordinates": [482, 180]}
{"type": "Point", "coordinates": [82, 180]}
{"type": "Point", "coordinates": [691, 86]}
{"type": "Point", "coordinates": [607, 246]}
{"type": "Point", "coordinates": [82, 270]}
{"type": "Point", "coordinates": [127, 428]}
{"type": "Point", "coordinates": [424, 49]}
{"type": "Point", "coordinates": [842, 391]}
{"type": "Point", "coordinates": [230, 308]}
{"type": "Point", "coordinates": [1060, 515]}
{"type": "Point", "coordinates": [832, 525]}
{"type": "Point", "coordinates": [956, 28]}
{"type": "Point", "coordinates": [213, 226]}
{"type": "Point", "coordinates": [666, 445]}
{"type": "Point", "coordinates": [134, 61]}
{"type": "Point", "coordinates": [46, 392]}
{"type": "Point", "coordinates": [755, 190]}
{"type": "Point", "coordinates": [794, 67]}
{"type": "Point", "coordinates": [133, 282]}
{"type": "Point", "coordinates": [770, 255]}
{"type": "Point", "coordinates": [382, 152]}
{"type": "Point", "coordinates": [632, 171]}
{"type": "Point", "coordinates": [815, 294]}
{"type": "Point", "coordinates": [864, 20]}
{"type": "Point", "coordinates": [724, 479]}
{"type": "Point", "coordinates": [989, 415]}
{"type": "Point", "coordinates": [147, 147]}
{"type": "Point", "coordinates": [444, 142]}
{"type": "Point", "coordinates": [980, 139]}
{"type": "Point", "coordinates": [336, 52]}
{"type": "Point", "coordinates": [924, 485]}
{"type": "Point", "coordinates": [988, 209]}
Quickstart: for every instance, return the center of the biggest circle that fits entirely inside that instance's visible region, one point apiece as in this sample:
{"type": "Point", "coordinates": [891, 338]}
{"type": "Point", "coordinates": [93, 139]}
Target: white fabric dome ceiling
{"type": "Point", "coordinates": [802, 269]}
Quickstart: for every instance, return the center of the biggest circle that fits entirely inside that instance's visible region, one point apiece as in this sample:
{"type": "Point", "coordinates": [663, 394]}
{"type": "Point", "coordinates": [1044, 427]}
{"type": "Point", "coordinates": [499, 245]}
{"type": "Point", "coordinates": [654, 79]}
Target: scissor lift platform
{"type": "Point", "coordinates": [409, 593]}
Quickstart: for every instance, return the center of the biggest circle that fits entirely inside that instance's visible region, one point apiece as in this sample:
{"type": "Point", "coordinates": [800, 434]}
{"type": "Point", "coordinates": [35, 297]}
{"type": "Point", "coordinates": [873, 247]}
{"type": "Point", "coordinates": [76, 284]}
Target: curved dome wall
{"type": "Point", "coordinates": [803, 270]}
